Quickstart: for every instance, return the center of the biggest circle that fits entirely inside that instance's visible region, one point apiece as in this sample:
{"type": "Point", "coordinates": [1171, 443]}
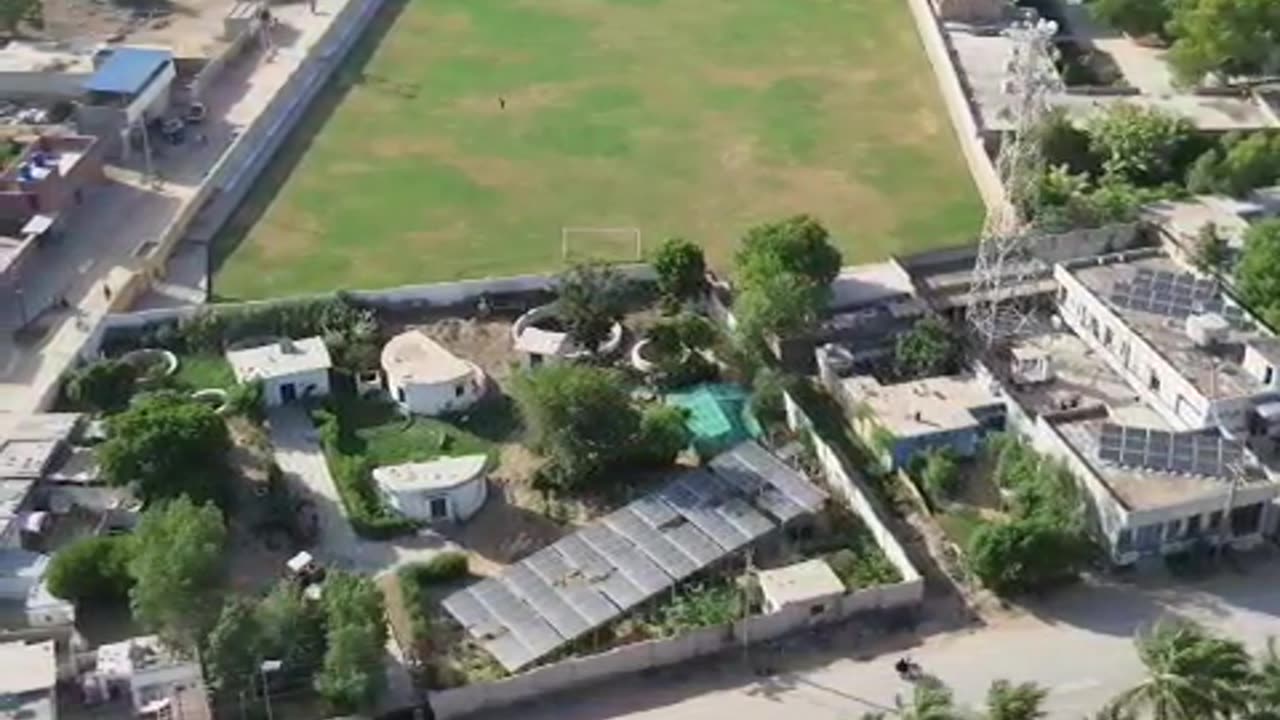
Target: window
{"type": "Point", "coordinates": [1215, 521]}
{"type": "Point", "coordinates": [458, 390]}
{"type": "Point", "coordinates": [1246, 520]}
{"type": "Point", "coordinates": [400, 394]}
{"type": "Point", "coordinates": [1193, 526]}
{"type": "Point", "coordinates": [1268, 375]}
{"type": "Point", "coordinates": [1171, 530]}
{"type": "Point", "coordinates": [439, 507]}
{"type": "Point", "coordinates": [1106, 336]}
{"type": "Point", "coordinates": [1154, 382]}
{"type": "Point", "coordinates": [1124, 540]}
{"type": "Point", "coordinates": [1149, 537]}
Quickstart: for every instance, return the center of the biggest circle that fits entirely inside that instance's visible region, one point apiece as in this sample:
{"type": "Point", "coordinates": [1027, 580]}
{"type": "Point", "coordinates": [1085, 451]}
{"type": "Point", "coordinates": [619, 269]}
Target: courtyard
{"type": "Point", "coordinates": [463, 136]}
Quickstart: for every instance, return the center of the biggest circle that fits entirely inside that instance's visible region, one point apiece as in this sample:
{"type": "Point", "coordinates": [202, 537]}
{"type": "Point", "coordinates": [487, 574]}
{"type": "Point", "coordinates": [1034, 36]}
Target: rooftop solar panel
{"type": "Point", "coordinates": [591, 577]}
{"type": "Point", "coordinates": [652, 543]}
{"type": "Point", "coordinates": [1194, 453]}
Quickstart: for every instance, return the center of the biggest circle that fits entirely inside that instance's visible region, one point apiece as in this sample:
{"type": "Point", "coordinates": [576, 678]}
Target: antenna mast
{"type": "Point", "coordinates": [1004, 260]}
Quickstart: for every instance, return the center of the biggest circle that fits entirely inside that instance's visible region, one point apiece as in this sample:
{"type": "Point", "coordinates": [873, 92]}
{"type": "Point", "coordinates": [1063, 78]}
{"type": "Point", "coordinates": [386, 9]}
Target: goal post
{"type": "Point", "coordinates": [605, 244]}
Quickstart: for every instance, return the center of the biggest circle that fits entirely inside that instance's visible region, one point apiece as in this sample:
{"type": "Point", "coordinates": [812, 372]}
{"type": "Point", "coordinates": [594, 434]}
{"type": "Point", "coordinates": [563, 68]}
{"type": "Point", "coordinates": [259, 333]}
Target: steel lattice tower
{"type": "Point", "coordinates": [1004, 259]}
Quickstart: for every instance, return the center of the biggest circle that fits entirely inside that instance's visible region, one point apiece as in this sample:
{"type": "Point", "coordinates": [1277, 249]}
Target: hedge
{"type": "Point", "coordinates": [353, 475]}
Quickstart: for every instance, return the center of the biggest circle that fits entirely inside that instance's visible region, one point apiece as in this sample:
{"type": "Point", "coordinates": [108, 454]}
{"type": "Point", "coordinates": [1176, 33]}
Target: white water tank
{"type": "Point", "coordinates": [1207, 329]}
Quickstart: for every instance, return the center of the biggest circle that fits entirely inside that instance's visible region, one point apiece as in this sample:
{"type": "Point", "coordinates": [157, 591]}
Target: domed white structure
{"type": "Point", "coordinates": [426, 379]}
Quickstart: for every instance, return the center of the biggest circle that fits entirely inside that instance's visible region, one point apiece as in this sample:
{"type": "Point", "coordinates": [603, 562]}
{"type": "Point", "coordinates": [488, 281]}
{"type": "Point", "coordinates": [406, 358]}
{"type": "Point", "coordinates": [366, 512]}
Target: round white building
{"type": "Point", "coordinates": [426, 379]}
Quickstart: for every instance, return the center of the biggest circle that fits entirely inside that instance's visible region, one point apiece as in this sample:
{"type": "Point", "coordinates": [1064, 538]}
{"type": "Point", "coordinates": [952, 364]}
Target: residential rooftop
{"type": "Point", "coordinates": [25, 56]}
{"type": "Point", "coordinates": [441, 474]}
{"type": "Point", "coordinates": [923, 407]}
{"type": "Point", "coordinates": [1168, 335]}
{"type": "Point", "coordinates": [414, 357]}
{"type": "Point", "coordinates": [1083, 395]}
{"type": "Point", "coordinates": [799, 583]}
{"type": "Point", "coordinates": [28, 681]}
{"type": "Point", "coordinates": [279, 359]}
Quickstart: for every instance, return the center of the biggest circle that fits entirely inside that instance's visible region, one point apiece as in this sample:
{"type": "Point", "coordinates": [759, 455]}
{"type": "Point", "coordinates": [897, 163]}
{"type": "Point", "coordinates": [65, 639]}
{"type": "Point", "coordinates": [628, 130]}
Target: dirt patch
{"type": "Point", "coordinates": [504, 532]}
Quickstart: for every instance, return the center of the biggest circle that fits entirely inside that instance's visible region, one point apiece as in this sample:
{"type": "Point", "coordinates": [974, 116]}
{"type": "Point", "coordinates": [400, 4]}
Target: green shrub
{"type": "Point", "coordinates": [246, 399]}
{"type": "Point", "coordinates": [1026, 555]}
{"type": "Point", "coordinates": [663, 434]}
{"type": "Point", "coordinates": [94, 569]}
{"type": "Point", "coordinates": [353, 476]}
{"type": "Point", "coordinates": [939, 473]}
{"type": "Point", "coordinates": [104, 386]}
{"type": "Point", "coordinates": [444, 567]}
{"type": "Point", "coordinates": [681, 271]}
{"type": "Point", "coordinates": [863, 569]}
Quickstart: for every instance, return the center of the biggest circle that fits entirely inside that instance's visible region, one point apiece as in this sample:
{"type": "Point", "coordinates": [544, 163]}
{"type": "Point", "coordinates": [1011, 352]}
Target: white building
{"type": "Point", "coordinates": [448, 489]}
{"type": "Point", "coordinates": [425, 378]}
{"type": "Point", "coordinates": [29, 681]}
{"type": "Point", "coordinates": [289, 369]}
{"type": "Point", "coordinates": [154, 677]}
{"type": "Point", "coordinates": [811, 583]}
{"type": "Point", "coordinates": [1161, 397]}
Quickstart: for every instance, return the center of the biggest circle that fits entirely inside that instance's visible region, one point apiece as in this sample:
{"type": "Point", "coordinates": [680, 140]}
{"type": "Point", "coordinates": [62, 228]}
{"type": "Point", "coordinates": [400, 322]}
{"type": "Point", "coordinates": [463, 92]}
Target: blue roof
{"type": "Point", "coordinates": [127, 70]}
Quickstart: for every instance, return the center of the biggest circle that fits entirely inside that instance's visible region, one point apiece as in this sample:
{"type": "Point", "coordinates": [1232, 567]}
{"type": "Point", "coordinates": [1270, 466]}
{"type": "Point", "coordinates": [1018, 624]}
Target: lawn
{"type": "Point", "coordinates": [388, 438]}
{"type": "Point", "coordinates": [204, 371]}
{"type": "Point", "coordinates": [463, 139]}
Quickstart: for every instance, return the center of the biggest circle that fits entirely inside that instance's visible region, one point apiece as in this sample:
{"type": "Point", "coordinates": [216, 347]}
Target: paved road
{"type": "Point", "coordinates": [1080, 644]}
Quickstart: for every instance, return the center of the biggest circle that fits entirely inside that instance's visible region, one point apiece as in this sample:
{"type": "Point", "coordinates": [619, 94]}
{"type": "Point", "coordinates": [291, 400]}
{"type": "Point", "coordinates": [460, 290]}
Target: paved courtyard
{"type": "Point", "coordinates": [1079, 643]}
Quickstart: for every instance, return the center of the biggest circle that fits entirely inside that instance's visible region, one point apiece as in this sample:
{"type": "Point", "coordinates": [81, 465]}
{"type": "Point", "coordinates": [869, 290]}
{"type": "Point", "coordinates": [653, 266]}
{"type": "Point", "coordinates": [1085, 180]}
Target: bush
{"type": "Point", "coordinates": [1026, 555]}
{"type": "Point", "coordinates": [590, 301]}
{"type": "Point", "coordinates": [863, 570]}
{"type": "Point", "coordinates": [94, 569]}
{"type": "Point", "coordinates": [245, 399]}
{"type": "Point", "coordinates": [929, 348]}
{"type": "Point", "coordinates": [681, 271]}
{"type": "Point", "coordinates": [1139, 144]}
{"type": "Point", "coordinates": [104, 386]}
{"type": "Point", "coordinates": [663, 435]}
{"type": "Point", "coordinates": [444, 567]}
{"type": "Point", "coordinates": [939, 474]}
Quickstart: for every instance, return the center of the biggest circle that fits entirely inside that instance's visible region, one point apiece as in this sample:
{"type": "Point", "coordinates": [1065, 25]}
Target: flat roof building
{"type": "Point", "coordinates": [425, 378]}
{"type": "Point", "coordinates": [29, 681]}
{"type": "Point", "coordinates": [288, 369]}
{"type": "Point", "coordinates": [811, 583]}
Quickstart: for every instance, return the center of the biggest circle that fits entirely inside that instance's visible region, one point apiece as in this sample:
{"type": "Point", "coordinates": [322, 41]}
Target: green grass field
{"type": "Point", "coordinates": [690, 117]}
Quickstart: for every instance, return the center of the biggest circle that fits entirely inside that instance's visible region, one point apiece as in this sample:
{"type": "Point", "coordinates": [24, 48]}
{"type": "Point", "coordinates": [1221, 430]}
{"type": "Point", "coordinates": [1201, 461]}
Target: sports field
{"type": "Point", "coordinates": [460, 141]}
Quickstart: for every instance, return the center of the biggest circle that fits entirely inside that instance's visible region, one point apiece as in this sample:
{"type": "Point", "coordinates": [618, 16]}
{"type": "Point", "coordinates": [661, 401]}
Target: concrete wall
{"type": "Point", "coordinates": [436, 398]}
{"type": "Point", "coordinates": [41, 85]}
{"type": "Point", "coordinates": [582, 671]}
{"type": "Point", "coordinates": [954, 96]}
{"type": "Point", "coordinates": [852, 489]}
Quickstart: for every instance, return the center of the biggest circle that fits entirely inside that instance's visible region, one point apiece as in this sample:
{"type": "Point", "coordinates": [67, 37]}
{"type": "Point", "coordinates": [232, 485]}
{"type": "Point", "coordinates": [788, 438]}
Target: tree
{"type": "Point", "coordinates": [1212, 253]}
{"type": "Point", "coordinates": [93, 569]}
{"type": "Point", "coordinates": [15, 12]}
{"type": "Point", "coordinates": [928, 349]}
{"type": "Point", "coordinates": [292, 629]}
{"type": "Point", "coordinates": [778, 303]}
{"type": "Point", "coordinates": [663, 434]}
{"type": "Point", "coordinates": [1139, 144]}
{"type": "Point", "coordinates": [939, 473]}
{"type": "Point", "coordinates": [105, 386]}
{"type": "Point", "coordinates": [1191, 675]}
{"type": "Point", "coordinates": [1024, 701]}
{"type": "Point", "coordinates": [351, 677]}
{"type": "Point", "coordinates": [166, 445]}
{"type": "Point", "coordinates": [799, 245]}
{"type": "Point", "coordinates": [177, 561]}
{"type": "Point", "coordinates": [681, 270]}
{"type": "Point", "coordinates": [930, 700]}
{"type": "Point", "coordinates": [1258, 272]}
{"type": "Point", "coordinates": [1231, 37]}
{"type": "Point", "coordinates": [1062, 143]}
{"type": "Point", "coordinates": [784, 273]}
{"type": "Point", "coordinates": [233, 649]}
{"type": "Point", "coordinates": [1251, 161]}
{"type": "Point", "coordinates": [590, 302]}
{"type": "Point", "coordinates": [579, 416]}
{"type": "Point", "coordinates": [1135, 17]}
{"type": "Point", "coordinates": [1026, 555]}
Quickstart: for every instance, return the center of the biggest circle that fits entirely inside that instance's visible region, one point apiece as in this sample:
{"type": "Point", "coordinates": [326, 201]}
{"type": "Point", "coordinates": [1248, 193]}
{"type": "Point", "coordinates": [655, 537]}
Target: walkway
{"type": "Point", "coordinates": [1079, 644]}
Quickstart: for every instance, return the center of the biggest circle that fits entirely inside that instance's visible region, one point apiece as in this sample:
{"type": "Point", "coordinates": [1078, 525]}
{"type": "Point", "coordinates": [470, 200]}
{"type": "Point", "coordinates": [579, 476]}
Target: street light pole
{"type": "Point", "coordinates": [268, 666]}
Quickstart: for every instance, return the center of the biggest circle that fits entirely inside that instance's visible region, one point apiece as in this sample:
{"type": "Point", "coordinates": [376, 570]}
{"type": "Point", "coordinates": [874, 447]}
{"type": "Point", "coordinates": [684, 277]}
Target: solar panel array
{"type": "Point", "coordinates": [593, 576]}
{"type": "Point", "coordinates": [1173, 294]}
{"type": "Point", "coordinates": [1187, 453]}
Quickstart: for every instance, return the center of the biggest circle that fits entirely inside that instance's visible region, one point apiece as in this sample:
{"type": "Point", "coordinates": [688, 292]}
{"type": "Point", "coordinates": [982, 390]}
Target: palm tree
{"type": "Point", "coordinates": [1006, 701]}
{"type": "Point", "coordinates": [1264, 695]}
{"type": "Point", "coordinates": [930, 700]}
{"type": "Point", "coordinates": [1192, 675]}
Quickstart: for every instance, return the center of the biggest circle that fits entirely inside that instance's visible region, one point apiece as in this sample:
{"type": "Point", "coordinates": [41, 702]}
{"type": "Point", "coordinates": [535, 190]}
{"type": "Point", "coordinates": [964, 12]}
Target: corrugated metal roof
{"type": "Point", "coordinates": [127, 70]}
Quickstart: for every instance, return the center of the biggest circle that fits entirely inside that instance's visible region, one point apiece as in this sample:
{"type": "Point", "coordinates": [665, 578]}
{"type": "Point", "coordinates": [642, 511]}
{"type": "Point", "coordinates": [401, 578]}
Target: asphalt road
{"type": "Point", "coordinates": [1080, 643]}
